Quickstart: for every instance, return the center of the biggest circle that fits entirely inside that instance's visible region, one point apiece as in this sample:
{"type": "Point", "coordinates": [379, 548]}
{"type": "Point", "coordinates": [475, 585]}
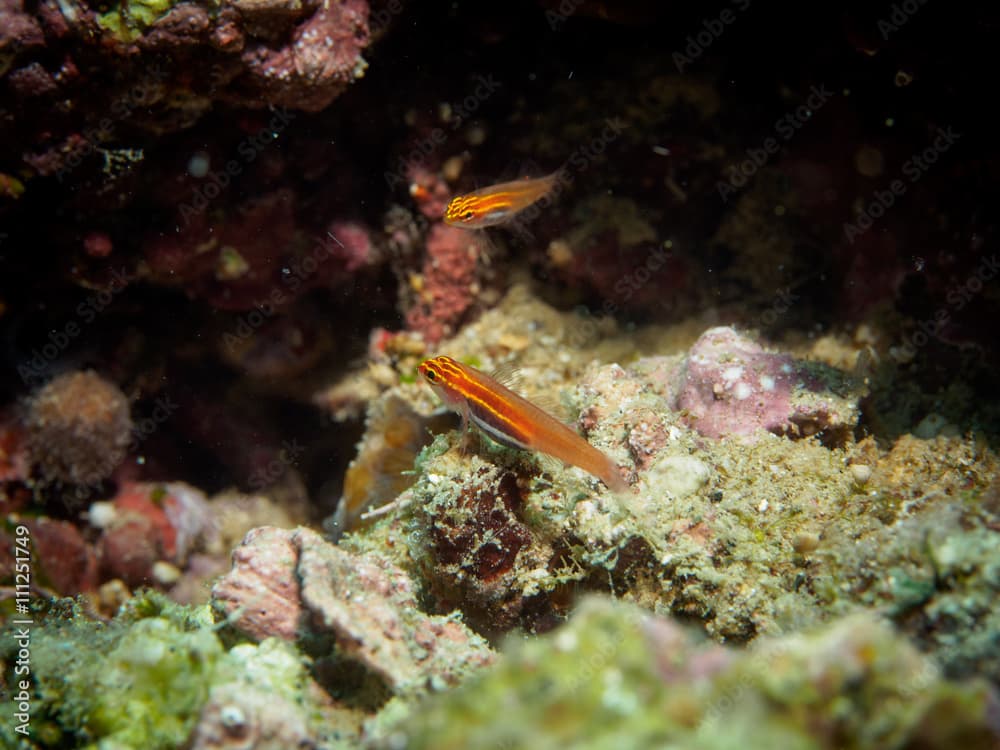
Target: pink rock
{"type": "Point", "coordinates": [128, 551]}
{"type": "Point", "coordinates": [322, 59]}
{"type": "Point", "coordinates": [262, 590]}
{"type": "Point", "coordinates": [731, 385]}
{"type": "Point", "coordinates": [292, 583]}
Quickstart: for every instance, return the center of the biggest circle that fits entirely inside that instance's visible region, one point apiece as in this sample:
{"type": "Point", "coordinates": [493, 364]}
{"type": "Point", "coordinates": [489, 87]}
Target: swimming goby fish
{"type": "Point", "coordinates": [514, 421]}
{"type": "Point", "coordinates": [498, 204]}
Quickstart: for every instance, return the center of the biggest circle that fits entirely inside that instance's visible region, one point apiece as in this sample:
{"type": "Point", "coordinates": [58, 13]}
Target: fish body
{"type": "Point", "coordinates": [512, 420]}
{"type": "Point", "coordinates": [497, 204]}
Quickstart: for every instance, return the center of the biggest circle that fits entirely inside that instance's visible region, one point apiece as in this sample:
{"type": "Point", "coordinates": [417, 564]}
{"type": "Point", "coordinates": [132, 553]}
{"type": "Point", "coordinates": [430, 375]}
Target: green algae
{"type": "Point", "coordinates": [142, 679]}
{"type": "Point", "coordinates": [128, 20]}
{"type": "Point", "coordinates": [614, 676]}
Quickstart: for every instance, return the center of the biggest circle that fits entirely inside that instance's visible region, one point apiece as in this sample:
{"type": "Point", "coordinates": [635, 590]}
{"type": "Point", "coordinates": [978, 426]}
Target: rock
{"type": "Point", "coordinates": [62, 559]}
{"type": "Point", "coordinates": [679, 475]}
{"type": "Point", "coordinates": [731, 385]}
{"type": "Point", "coordinates": [263, 582]}
{"type": "Point", "coordinates": [295, 585]}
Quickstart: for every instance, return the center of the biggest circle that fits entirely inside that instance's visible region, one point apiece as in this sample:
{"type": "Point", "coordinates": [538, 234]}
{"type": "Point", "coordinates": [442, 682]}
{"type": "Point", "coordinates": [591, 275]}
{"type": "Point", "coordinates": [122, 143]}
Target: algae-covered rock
{"type": "Point", "coordinates": [758, 527]}
{"type": "Point", "coordinates": [615, 676]}
{"type": "Point", "coordinates": [158, 676]}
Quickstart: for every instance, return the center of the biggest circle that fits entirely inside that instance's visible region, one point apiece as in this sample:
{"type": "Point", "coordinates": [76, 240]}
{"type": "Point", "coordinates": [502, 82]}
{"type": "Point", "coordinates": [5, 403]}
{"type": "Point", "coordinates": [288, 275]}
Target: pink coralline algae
{"type": "Point", "coordinates": [429, 191]}
{"type": "Point", "coordinates": [449, 284]}
{"type": "Point", "coordinates": [293, 584]}
{"type": "Point", "coordinates": [264, 573]}
{"type": "Point", "coordinates": [730, 385]}
{"type": "Point", "coordinates": [323, 57]}
{"type": "Point", "coordinates": [352, 245]}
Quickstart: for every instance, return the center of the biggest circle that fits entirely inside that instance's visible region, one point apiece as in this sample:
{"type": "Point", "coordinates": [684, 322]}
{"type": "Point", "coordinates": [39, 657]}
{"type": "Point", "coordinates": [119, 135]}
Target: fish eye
{"type": "Point", "coordinates": [430, 375]}
{"type": "Point", "coordinates": [467, 215]}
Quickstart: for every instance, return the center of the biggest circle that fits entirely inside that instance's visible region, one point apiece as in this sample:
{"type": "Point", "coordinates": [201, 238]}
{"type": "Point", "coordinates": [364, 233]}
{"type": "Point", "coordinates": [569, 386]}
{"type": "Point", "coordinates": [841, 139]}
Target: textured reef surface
{"type": "Point", "coordinates": [233, 514]}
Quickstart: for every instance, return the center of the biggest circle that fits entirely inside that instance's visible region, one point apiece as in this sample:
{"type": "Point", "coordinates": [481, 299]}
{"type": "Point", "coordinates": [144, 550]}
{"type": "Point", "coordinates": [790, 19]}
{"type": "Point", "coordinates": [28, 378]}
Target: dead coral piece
{"type": "Point", "coordinates": [78, 428]}
{"type": "Point", "coordinates": [261, 593]}
{"type": "Point", "coordinates": [295, 584]}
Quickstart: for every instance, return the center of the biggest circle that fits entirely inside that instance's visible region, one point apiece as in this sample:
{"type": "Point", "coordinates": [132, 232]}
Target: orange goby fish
{"type": "Point", "coordinates": [514, 421]}
{"type": "Point", "coordinates": [497, 204]}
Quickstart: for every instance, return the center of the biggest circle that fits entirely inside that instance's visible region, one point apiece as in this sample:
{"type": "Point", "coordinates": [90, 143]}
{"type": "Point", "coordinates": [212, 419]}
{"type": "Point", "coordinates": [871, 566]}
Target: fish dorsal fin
{"type": "Point", "coordinates": [521, 169]}
{"type": "Point", "coordinates": [509, 375]}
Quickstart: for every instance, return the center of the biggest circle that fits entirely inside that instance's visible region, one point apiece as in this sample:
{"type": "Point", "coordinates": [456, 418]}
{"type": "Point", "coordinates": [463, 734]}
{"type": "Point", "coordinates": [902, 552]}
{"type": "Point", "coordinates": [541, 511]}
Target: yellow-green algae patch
{"type": "Point", "coordinates": [614, 676]}
{"type": "Point", "coordinates": [144, 679]}
{"type": "Point", "coordinates": [127, 20]}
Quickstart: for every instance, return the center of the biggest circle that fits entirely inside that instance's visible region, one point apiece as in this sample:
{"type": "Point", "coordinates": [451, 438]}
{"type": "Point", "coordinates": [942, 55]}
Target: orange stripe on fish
{"type": "Point", "coordinates": [497, 204]}
{"type": "Point", "coordinates": [512, 420]}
